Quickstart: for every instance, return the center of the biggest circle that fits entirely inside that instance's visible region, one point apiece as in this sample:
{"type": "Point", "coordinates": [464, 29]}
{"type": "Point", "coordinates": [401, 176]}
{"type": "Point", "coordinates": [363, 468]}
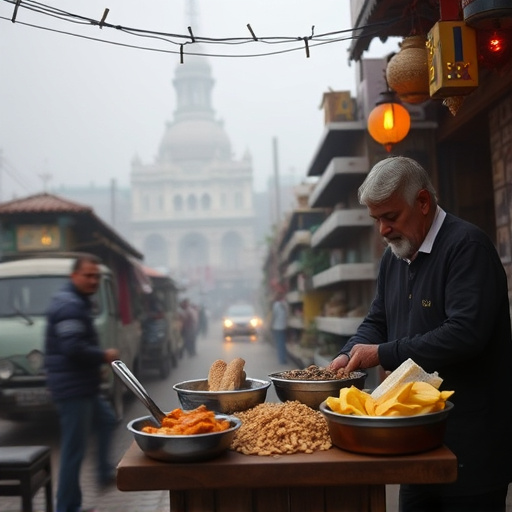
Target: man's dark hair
{"type": "Point", "coordinates": [83, 258]}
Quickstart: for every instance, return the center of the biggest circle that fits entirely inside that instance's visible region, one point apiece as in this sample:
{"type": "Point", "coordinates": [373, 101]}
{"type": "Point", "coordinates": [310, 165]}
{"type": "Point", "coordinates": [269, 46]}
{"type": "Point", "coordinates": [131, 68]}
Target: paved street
{"type": "Point", "coordinates": [260, 360]}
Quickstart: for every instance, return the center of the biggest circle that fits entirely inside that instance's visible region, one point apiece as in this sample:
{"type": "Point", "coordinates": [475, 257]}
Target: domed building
{"type": "Point", "coordinates": [192, 209]}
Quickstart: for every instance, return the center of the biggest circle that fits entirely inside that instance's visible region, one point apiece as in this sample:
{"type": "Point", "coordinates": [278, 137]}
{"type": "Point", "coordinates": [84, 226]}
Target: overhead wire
{"type": "Point", "coordinates": [10, 170]}
{"type": "Point", "coordinates": [187, 40]}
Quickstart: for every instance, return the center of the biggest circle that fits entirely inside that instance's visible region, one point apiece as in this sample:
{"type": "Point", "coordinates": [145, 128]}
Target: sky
{"type": "Point", "coordinates": [75, 111]}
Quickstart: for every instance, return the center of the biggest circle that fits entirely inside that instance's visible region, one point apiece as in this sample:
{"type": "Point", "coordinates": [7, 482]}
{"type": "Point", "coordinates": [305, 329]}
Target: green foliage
{"type": "Point", "coordinates": [314, 261]}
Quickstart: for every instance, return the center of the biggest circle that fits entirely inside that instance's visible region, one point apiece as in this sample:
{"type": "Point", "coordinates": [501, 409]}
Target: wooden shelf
{"type": "Point", "coordinates": [344, 272]}
{"type": "Point", "coordinates": [341, 225]}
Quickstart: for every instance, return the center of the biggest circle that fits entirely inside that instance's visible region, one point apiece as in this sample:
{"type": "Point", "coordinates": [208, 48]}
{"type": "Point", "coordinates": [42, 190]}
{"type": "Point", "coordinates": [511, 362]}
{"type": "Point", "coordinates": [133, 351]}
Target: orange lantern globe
{"type": "Point", "coordinates": [389, 122]}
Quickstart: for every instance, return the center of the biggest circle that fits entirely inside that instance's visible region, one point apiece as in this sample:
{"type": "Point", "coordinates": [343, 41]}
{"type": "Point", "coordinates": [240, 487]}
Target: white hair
{"type": "Point", "coordinates": [395, 174]}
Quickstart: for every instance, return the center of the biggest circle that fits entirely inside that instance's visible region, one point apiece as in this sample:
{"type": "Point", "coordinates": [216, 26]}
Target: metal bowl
{"type": "Point", "coordinates": [184, 448]}
{"type": "Point", "coordinates": [387, 435]}
{"type": "Point", "coordinates": [313, 392]}
{"type": "Point", "coordinates": [193, 393]}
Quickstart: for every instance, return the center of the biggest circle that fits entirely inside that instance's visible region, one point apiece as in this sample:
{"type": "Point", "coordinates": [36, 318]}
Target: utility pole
{"type": "Point", "coordinates": [113, 202]}
{"type": "Point", "coordinates": [45, 178]}
{"type": "Point", "coordinates": [276, 182]}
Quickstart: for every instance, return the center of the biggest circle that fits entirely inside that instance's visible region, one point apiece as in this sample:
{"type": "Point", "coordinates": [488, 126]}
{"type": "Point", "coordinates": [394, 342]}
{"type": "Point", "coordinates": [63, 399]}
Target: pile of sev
{"type": "Point", "coordinates": [281, 428]}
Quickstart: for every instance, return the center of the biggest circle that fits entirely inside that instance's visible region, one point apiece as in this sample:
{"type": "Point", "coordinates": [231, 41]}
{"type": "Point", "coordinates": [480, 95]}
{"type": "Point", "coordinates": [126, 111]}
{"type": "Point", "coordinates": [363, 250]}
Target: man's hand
{"type": "Point", "coordinates": [361, 356]}
{"type": "Point", "coordinates": [338, 363]}
{"type": "Point", "coordinates": [111, 354]}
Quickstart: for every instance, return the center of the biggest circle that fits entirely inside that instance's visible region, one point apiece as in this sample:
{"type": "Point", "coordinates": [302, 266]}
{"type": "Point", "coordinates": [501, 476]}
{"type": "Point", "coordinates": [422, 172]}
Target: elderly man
{"type": "Point", "coordinates": [441, 300]}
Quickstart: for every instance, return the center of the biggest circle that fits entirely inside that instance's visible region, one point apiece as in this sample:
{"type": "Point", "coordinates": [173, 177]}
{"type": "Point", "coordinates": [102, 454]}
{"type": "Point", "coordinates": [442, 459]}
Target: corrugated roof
{"type": "Point", "coordinates": [43, 202]}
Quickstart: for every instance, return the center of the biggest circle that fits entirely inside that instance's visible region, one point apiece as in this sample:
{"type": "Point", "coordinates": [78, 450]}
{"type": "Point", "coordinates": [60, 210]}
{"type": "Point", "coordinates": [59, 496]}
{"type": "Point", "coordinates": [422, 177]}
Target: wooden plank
{"type": "Point", "coordinates": [333, 467]}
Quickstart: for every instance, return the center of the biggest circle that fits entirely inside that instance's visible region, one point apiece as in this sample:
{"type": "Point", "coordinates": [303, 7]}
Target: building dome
{"type": "Point", "coordinates": [194, 139]}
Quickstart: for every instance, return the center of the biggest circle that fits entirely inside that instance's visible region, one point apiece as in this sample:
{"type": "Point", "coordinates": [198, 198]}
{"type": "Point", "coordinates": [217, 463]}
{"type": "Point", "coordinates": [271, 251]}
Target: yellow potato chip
{"type": "Point", "coordinates": [352, 401]}
{"type": "Point", "coordinates": [333, 403]}
{"type": "Point", "coordinates": [399, 409]}
{"type": "Point", "coordinates": [408, 399]}
{"type": "Point", "coordinates": [369, 405]}
{"type": "Point", "coordinates": [424, 394]}
{"type": "Point", "coordinates": [400, 394]}
{"type": "Point", "coordinates": [446, 394]}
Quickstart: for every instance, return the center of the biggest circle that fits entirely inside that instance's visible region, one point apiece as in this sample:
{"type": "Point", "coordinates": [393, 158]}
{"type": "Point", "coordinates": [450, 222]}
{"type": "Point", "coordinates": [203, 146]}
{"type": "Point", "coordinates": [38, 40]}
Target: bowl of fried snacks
{"type": "Point", "coordinates": [312, 385]}
{"type": "Point", "coordinates": [408, 419]}
{"type": "Point", "coordinates": [185, 436]}
{"type": "Point", "coordinates": [226, 390]}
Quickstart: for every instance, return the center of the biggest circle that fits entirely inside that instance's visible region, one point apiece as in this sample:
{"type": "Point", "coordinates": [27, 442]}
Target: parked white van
{"type": "Point", "coordinates": [26, 286]}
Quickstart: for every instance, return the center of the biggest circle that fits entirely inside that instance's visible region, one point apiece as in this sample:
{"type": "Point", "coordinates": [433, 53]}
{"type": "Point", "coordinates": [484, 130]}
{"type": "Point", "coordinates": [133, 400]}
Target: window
{"type": "Point", "coordinates": [239, 200]}
{"type": "Point", "coordinates": [206, 202]}
{"type": "Point", "coordinates": [192, 202]}
{"type": "Point", "coordinates": [178, 203]}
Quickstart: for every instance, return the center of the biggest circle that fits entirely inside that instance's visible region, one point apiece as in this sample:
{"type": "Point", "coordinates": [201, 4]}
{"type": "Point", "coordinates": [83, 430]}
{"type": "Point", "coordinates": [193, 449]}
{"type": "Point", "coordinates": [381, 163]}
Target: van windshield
{"type": "Point", "coordinates": [28, 295]}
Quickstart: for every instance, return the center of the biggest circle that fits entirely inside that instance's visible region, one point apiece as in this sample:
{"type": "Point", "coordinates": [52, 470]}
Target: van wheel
{"type": "Point", "coordinates": [165, 363]}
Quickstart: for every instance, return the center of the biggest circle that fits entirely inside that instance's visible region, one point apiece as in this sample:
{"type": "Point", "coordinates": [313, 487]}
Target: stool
{"type": "Point", "coordinates": [31, 467]}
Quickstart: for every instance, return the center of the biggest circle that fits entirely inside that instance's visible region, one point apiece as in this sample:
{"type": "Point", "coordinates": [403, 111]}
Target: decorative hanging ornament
{"type": "Point", "coordinates": [389, 122]}
{"type": "Point", "coordinates": [452, 59]}
{"type": "Point", "coordinates": [407, 71]}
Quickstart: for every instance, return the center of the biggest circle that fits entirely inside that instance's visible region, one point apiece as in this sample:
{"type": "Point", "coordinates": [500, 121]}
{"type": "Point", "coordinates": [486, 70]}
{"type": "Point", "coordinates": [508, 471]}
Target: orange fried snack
{"type": "Point", "coordinates": [196, 421]}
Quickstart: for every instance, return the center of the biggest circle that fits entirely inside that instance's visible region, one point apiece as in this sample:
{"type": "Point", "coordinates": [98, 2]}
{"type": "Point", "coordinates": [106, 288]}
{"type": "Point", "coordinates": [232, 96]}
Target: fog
{"type": "Point", "coordinates": [76, 110]}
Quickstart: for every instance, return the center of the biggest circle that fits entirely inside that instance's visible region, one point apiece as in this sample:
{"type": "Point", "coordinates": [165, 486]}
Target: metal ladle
{"type": "Point", "coordinates": [131, 382]}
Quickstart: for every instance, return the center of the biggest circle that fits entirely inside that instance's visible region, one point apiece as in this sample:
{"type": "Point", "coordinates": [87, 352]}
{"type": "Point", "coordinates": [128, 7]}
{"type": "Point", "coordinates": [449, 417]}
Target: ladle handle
{"type": "Point", "coordinates": [132, 383]}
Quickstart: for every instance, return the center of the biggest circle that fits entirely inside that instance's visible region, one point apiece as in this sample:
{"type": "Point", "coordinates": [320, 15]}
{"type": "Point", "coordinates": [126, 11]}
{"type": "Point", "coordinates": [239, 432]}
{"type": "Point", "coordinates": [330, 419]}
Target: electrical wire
{"type": "Point", "coordinates": [14, 174]}
{"type": "Point", "coordinates": [299, 43]}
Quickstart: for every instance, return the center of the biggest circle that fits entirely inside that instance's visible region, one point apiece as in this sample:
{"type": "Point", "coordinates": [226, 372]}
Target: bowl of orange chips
{"type": "Point", "coordinates": [185, 435]}
{"type": "Point", "coordinates": [410, 419]}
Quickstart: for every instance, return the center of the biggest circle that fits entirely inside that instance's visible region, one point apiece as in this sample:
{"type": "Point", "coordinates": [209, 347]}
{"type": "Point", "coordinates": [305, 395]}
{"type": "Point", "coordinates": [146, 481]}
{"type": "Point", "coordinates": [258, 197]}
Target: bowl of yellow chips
{"type": "Point", "coordinates": [411, 419]}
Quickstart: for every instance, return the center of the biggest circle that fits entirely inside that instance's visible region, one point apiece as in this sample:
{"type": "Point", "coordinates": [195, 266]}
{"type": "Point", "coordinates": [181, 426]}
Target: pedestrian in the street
{"type": "Point", "coordinates": [441, 300]}
{"type": "Point", "coordinates": [279, 326]}
{"type": "Point", "coordinates": [203, 321]}
{"type": "Point", "coordinates": [189, 326]}
{"type": "Point", "coordinates": [73, 360]}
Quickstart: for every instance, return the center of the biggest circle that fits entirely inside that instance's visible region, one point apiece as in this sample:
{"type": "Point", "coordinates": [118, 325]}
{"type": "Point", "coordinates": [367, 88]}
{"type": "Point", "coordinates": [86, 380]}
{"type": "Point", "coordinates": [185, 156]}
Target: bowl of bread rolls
{"type": "Point", "coordinates": [226, 390]}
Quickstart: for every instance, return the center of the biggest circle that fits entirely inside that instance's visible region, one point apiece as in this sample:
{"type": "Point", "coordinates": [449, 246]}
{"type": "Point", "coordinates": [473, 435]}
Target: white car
{"type": "Point", "coordinates": [239, 320]}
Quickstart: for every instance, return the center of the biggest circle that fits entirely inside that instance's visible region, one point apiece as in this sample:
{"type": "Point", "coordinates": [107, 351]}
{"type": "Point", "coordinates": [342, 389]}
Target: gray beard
{"type": "Point", "coordinates": [401, 248]}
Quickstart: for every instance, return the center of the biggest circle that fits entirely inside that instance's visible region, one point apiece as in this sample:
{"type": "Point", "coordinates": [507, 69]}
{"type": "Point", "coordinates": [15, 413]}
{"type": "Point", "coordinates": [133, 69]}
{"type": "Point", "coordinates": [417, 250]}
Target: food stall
{"type": "Point", "coordinates": [329, 481]}
{"type": "Point", "coordinates": [290, 456]}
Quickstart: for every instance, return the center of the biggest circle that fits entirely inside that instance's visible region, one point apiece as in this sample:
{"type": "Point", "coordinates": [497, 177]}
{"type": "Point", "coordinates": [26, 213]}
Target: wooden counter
{"type": "Point", "coordinates": [327, 481]}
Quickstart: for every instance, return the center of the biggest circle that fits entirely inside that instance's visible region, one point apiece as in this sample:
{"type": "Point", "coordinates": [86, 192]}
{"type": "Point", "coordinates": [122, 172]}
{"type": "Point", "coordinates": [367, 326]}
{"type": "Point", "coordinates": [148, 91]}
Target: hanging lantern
{"type": "Point", "coordinates": [452, 59]}
{"type": "Point", "coordinates": [494, 47]}
{"type": "Point", "coordinates": [407, 71]}
{"type": "Point", "coordinates": [389, 122]}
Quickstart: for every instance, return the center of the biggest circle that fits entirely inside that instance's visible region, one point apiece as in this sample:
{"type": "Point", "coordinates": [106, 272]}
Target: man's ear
{"type": "Point", "coordinates": [424, 200]}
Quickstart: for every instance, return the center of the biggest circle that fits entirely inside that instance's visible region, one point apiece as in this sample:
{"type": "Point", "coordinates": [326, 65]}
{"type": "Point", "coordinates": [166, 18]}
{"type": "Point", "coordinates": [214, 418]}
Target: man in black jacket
{"type": "Point", "coordinates": [73, 360]}
{"type": "Point", "coordinates": [442, 300]}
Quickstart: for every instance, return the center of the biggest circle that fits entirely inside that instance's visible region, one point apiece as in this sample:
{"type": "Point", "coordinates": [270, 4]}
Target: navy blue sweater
{"type": "Point", "coordinates": [449, 312]}
{"type": "Point", "coordinates": [73, 357]}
